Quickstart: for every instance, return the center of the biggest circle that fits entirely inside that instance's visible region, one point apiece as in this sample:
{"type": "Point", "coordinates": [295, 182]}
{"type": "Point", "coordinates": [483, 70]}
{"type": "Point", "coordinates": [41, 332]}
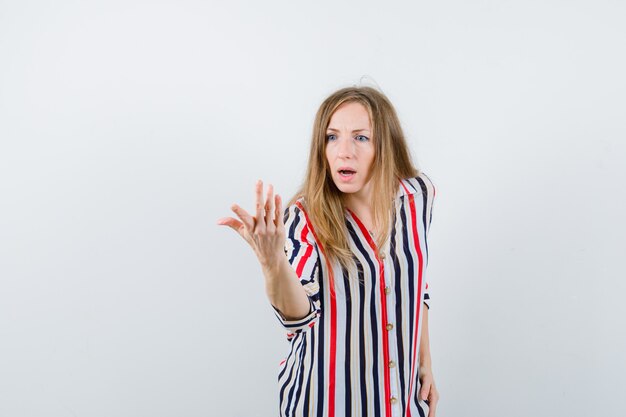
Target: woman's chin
{"type": "Point", "coordinates": [347, 188]}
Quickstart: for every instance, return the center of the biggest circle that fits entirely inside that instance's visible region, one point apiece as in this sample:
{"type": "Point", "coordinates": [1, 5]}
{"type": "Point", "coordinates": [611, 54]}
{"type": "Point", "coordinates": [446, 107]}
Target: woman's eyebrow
{"type": "Point", "coordinates": [354, 131]}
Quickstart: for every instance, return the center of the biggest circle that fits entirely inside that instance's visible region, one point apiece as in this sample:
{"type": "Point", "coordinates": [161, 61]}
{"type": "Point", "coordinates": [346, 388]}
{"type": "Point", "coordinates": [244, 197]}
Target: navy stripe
{"type": "Point", "coordinates": [292, 234]}
{"type": "Point", "coordinates": [348, 343]}
{"type": "Point", "coordinates": [399, 319]}
{"type": "Point", "coordinates": [321, 364]}
{"type": "Point", "coordinates": [425, 203]}
{"type": "Point", "coordinates": [299, 377]}
{"type": "Point", "coordinates": [406, 247]}
{"type": "Point", "coordinates": [373, 323]}
{"type": "Point", "coordinates": [362, 342]}
{"type": "Point", "coordinates": [288, 381]}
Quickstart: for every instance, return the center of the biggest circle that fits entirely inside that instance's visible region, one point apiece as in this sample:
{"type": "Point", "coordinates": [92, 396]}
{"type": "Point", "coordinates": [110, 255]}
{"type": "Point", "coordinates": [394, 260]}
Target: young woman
{"type": "Point", "coordinates": [344, 267]}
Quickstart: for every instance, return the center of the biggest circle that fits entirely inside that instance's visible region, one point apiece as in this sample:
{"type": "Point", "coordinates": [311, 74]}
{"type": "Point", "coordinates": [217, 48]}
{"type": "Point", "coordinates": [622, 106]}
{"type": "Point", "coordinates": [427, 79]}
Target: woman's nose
{"type": "Point", "coordinates": [345, 148]}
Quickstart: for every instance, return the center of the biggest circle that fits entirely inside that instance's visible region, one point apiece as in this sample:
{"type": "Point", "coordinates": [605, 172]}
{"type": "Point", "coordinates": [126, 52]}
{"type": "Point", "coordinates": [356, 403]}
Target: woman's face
{"type": "Point", "coordinates": [349, 149]}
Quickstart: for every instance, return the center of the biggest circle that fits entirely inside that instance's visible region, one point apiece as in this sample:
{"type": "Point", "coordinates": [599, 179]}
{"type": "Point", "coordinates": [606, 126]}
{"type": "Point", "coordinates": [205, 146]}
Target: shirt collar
{"type": "Point", "coordinates": [408, 186]}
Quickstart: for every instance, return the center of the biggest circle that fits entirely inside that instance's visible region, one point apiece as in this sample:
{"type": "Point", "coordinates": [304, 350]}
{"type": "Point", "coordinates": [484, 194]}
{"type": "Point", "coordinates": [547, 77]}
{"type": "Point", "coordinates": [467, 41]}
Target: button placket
{"type": "Point", "coordinates": [393, 400]}
{"type": "Point", "coordinates": [391, 365]}
{"type": "Point", "coordinates": [389, 316]}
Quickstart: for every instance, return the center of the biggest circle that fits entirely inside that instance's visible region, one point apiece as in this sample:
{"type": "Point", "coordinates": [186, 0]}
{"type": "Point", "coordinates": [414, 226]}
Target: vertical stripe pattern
{"type": "Point", "coordinates": [356, 353]}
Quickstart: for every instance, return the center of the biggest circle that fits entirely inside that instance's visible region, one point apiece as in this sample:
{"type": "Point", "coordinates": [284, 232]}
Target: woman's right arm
{"type": "Point", "coordinates": [285, 291]}
{"type": "Point", "coordinates": [265, 233]}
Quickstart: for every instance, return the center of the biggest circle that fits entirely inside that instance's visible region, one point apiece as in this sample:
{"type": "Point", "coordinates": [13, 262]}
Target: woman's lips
{"type": "Point", "coordinates": [346, 174]}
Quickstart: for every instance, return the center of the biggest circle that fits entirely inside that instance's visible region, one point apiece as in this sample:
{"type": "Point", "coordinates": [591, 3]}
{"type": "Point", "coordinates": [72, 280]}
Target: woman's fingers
{"type": "Point", "coordinates": [237, 226]}
{"type": "Point", "coordinates": [432, 411]}
{"type": "Point", "coordinates": [246, 219]}
{"type": "Point", "coordinates": [279, 213]}
{"type": "Point", "coordinates": [432, 408]}
{"type": "Point", "coordinates": [433, 399]}
{"type": "Point", "coordinates": [265, 231]}
{"type": "Point", "coordinates": [230, 222]}
{"type": "Point", "coordinates": [425, 389]}
{"type": "Point", "coordinates": [269, 210]}
{"type": "Point", "coordinates": [260, 219]}
{"type": "Point", "coordinates": [268, 213]}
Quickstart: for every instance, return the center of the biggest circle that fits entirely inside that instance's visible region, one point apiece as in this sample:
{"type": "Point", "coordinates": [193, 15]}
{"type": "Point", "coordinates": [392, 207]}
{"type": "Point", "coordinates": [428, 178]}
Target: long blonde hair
{"type": "Point", "coordinates": [392, 161]}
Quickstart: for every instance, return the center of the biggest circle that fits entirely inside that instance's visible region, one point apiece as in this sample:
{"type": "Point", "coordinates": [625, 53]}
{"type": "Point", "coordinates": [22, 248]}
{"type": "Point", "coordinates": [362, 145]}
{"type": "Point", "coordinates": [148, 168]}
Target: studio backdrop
{"type": "Point", "coordinates": [127, 128]}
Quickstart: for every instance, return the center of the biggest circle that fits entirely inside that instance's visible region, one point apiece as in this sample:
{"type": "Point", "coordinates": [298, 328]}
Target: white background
{"type": "Point", "coordinates": [128, 128]}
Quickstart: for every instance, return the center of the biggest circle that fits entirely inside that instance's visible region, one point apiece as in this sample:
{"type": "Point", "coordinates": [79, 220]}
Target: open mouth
{"type": "Point", "coordinates": [346, 173]}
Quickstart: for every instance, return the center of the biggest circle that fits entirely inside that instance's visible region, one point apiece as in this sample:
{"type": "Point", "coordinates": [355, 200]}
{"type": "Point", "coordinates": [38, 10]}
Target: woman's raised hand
{"type": "Point", "coordinates": [264, 232]}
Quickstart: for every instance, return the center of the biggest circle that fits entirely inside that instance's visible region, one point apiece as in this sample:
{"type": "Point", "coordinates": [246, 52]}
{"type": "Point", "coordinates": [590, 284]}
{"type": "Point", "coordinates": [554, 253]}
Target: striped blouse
{"type": "Point", "coordinates": [356, 352]}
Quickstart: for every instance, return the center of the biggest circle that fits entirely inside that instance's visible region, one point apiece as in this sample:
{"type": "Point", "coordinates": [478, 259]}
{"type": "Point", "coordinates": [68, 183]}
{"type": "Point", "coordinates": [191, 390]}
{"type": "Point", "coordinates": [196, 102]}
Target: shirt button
{"type": "Point", "coordinates": [387, 290]}
{"type": "Point", "coordinates": [389, 326]}
{"type": "Point", "coordinates": [382, 255]}
{"type": "Point", "coordinates": [392, 364]}
{"type": "Point", "coordinates": [393, 400]}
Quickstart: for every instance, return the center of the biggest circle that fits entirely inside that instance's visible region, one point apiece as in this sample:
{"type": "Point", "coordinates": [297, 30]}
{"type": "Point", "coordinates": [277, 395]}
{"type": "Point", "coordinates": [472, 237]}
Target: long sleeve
{"type": "Point", "coordinates": [301, 251]}
{"type": "Point", "coordinates": [430, 192]}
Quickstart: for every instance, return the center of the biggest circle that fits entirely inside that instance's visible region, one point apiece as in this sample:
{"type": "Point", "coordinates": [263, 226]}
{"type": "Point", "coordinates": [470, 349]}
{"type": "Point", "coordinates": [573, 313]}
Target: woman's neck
{"type": "Point", "coordinates": [361, 209]}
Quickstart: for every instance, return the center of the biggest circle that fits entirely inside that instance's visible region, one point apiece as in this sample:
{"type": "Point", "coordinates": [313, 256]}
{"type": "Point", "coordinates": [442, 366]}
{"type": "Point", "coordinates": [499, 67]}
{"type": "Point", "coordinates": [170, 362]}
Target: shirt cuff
{"type": "Point", "coordinates": [296, 326]}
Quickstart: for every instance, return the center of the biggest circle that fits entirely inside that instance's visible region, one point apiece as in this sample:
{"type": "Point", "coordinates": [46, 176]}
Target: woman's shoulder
{"type": "Point", "coordinates": [296, 209]}
{"type": "Point", "coordinates": [297, 203]}
{"type": "Point", "coordinates": [420, 184]}
{"type": "Point", "coordinates": [297, 223]}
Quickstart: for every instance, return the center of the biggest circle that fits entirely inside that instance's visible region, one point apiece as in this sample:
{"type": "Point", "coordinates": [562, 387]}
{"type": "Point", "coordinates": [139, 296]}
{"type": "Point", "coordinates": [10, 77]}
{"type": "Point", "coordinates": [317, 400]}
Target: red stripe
{"type": "Point", "coordinates": [307, 254]}
{"type": "Point", "coordinates": [419, 294]}
{"type": "Point", "coordinates": [383, 307]}
{"type": "Point", "coordinates": [332, 364]}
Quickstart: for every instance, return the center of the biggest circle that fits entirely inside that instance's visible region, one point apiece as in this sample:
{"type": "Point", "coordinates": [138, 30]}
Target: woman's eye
{"type": "Point", "coordinates": [330, 137]}
{"type": "Point", "coordinates": [362, 138]}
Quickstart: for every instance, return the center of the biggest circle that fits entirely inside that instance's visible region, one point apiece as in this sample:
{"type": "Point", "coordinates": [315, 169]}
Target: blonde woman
{"type": "Point", "coordinates": [344, 267]}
